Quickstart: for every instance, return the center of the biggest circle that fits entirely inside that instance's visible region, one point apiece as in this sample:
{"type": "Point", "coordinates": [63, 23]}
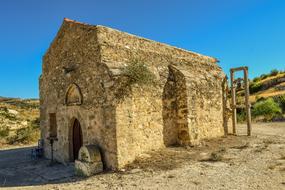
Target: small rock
{"type": "Point", "coordinates": [171, 176]}
{"type": "Point", "coordinates": [204, 156]}
{"type": "Point", "coordinates": [122, 170]}
{"type": "Point", "coordinates": [24, 123]}
{"type": "Point", "coordinates": [137, 170]}
{"type": "Point", "coordinates": [13, 111]}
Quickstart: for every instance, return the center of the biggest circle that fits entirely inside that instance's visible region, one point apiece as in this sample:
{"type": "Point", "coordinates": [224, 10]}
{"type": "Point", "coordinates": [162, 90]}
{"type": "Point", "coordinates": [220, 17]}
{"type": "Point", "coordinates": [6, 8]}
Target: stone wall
{"type": "Point", "coordinates": [75, 48]}
{"type": "Point", "coordinates": [204, 101]}
{"type": "Point", "coordinates": [139, 124]}
{"type": "Point", "coordinates": [196, 92]}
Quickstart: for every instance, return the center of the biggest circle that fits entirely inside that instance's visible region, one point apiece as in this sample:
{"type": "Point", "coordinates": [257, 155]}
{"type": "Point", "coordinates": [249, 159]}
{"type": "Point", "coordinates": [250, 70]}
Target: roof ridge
{"type": "Point", "coordinates": [143, 38]}
{"type": "Point", "coordinates": [77, 22]}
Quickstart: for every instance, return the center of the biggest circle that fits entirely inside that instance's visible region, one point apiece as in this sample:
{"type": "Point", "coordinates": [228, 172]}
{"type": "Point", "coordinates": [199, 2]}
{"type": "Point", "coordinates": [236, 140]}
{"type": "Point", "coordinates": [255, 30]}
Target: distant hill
{"type": "Point", "coordinates": [269, 85]}
{"type": "Point", "coordinates": [19, 120]}
{"type": "Point", "coordinates": [265, 86]}
{"type": "Point", "coordinates": [267, 96]}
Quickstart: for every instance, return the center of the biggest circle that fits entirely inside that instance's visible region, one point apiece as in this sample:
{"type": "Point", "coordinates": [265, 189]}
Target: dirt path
{"type": "Point", "coordinates": [241, 162]}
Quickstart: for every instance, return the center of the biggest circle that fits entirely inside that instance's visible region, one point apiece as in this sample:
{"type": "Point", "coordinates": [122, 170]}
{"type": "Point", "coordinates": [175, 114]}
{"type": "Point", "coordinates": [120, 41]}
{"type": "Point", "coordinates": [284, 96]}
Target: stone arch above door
{"type": "Point", "coordinates": [73, 95]}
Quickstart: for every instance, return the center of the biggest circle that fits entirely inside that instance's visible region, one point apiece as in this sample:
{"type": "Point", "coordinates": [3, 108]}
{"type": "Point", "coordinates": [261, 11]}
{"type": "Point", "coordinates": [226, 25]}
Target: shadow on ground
{"type": "Point", "coordinates": [18, 169]}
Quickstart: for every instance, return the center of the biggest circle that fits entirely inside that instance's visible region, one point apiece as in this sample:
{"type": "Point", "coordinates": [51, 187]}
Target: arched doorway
{"type": "Point", "coordinates": [77, 140]}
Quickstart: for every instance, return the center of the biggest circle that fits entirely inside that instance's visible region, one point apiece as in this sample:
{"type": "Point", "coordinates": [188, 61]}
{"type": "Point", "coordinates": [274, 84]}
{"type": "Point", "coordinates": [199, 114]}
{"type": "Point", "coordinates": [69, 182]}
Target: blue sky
{"type": "Point", "coordinates": [237, 32]}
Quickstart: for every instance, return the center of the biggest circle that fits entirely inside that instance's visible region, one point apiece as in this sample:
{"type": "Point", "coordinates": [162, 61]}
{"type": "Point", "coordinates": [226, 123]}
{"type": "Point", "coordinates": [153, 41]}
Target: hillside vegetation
{"type": "Point", "coordinates": [267, 97]}
{"type": "Point", "coordinates": [19, 121]}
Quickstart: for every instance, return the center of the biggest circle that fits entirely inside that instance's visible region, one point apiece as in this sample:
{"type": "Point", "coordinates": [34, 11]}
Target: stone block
{"type": "Point", "coordinates": [89, 153]}
{"type": "Point", "coordinates": [89, 161]}
{"type": "Point", "coordinates": [87, 168]}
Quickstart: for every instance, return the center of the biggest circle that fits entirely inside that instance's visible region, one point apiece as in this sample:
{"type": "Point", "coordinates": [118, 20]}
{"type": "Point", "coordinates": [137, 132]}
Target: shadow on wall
{"type": "Point", "coordinates": [175, 109]}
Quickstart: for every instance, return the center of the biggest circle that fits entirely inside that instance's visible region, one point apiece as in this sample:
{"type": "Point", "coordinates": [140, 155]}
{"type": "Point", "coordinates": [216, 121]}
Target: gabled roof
{"type": "Point", "coordinates": [115, 47]}
{"type": "Point", "coordinates": [152, 42]}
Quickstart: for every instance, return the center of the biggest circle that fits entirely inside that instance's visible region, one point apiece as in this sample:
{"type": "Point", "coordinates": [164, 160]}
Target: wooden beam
{"type": "Point", "coordinates": [239, 69]}
{"type": "Point", "coordinates": [247, 103]}
{"type": "Point", "coordinates": [234, 111]}
{"type": "Point", "coordinates": [224, 96]}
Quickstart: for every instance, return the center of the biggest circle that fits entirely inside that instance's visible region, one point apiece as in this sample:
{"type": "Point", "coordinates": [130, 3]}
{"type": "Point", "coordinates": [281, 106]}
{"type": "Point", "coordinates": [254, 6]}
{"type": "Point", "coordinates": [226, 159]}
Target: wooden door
{"type": "Point", "coordinates": [77, 138]}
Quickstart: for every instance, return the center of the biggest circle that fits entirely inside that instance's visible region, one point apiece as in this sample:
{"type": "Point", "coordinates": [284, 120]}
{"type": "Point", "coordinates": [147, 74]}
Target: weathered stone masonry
{"type": "Point", "coordinates": [82, 80]}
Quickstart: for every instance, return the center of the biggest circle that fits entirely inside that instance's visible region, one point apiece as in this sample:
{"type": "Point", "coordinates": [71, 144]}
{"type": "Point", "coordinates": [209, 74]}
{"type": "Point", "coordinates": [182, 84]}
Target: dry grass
{"type": "Point", "coordinates": [164, 159]}
{"type": "Point", "coordinates": [266, 94]}
{"type": "Point", "coordinates": [174, 157]}
{"type": "Point", "coordinates": [279, 75]}
{"type": "Point", "coordinates": [23, 125]}
{"type": "Point", "coordinates": [270, 92]}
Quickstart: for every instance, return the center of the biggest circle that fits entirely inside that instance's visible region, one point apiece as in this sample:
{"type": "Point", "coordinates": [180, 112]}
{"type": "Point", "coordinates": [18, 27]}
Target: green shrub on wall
{"type": "Point", "coordinates": [138, 73]}
{"type": "Point", "coordinates": [267, 108]}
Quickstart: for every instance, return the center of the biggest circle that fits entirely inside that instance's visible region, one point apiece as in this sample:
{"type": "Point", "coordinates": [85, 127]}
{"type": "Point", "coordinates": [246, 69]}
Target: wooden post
{"type": "Point", "coordinates": [247, 103]}
{"type": "Point", "coordinates": [234, 111]}
{"type": "Point", "coordinates": [224, 95]}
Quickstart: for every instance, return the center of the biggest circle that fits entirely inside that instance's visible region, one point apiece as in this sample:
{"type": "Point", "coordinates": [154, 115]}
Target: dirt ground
{"type": "Point", "coordinates": [235, 162]}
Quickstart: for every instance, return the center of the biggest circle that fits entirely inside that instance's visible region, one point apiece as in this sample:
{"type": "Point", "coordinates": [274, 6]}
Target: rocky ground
{"type": "Point", "coordinates": [236, 162]}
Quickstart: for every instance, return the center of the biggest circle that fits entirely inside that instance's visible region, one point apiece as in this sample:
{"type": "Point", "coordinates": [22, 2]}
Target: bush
{"type": "Point", "coordinates": [256, 79]}
{"type": "Point", "coordinates": [23, 104]}
{"type": "Point", "coordinates": [4, 131]}
{"type": "Point", "coordinates": [281, 101]}
{"type": "Point", "coordinates": [35, 123]}
{"type": "Point", "coordinates": [263, 76]}
{"type": "Point", "coordinates": [8, 115]}
{"type": "Point", "coordinates": [255, 87]}
{"type": "Point", "coordinates": [138, 73]}
{"type": "Point", "coordinates": [258, 99]}
{"type": "Point", "coordinates": [267, 108]}
{"type": "Point", "coordinates": [274, 72]}
{"type": "Point", "coordinates": [25, 135]}
{"type": "Point", "coordinates": [241, 115]}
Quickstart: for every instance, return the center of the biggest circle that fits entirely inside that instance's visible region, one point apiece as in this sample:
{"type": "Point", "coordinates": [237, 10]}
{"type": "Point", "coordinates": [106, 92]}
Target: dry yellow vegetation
{"type": "Point", "coordinates": [19, 121]}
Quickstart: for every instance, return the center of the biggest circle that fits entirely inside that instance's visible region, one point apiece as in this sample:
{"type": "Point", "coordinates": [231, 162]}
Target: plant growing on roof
{"type": "Point", "coordinates": [139, 73]}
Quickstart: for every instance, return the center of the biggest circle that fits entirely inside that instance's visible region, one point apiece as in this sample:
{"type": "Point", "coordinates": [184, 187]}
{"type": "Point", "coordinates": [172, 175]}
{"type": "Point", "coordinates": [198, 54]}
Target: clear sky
{"type": "Point", "coordinates": [237, 32]}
